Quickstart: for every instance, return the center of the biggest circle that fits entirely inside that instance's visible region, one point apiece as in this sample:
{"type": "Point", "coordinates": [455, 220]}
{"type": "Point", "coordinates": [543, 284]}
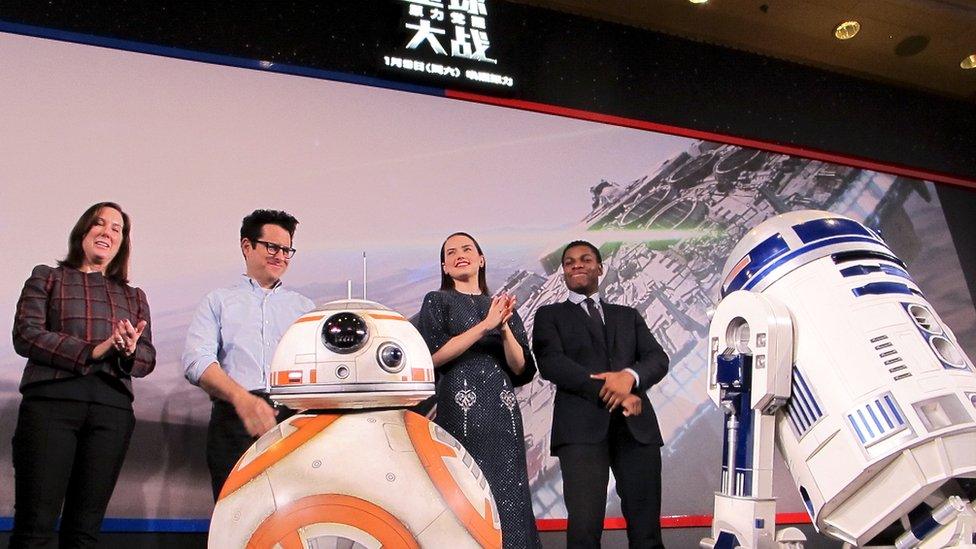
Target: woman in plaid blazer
{"type": "Point", "coordinates": [85, 333]}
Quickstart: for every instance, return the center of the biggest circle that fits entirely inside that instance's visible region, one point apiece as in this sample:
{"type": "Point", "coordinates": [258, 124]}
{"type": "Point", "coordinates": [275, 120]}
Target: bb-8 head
{"type": "Point", "coordinates": [351, 354]}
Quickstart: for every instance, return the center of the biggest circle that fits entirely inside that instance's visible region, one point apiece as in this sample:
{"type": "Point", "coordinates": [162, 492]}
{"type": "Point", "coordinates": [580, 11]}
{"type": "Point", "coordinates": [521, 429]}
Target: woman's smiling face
{"type": "Point", "coordinates": [103, 239]}
{"type": "Point", "coordinates": [461, 258]}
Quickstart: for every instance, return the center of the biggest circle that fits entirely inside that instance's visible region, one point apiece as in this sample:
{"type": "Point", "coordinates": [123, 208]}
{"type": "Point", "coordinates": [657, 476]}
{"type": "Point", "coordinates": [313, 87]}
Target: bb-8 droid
{"type": "Point", "coordinates": [356, 469]}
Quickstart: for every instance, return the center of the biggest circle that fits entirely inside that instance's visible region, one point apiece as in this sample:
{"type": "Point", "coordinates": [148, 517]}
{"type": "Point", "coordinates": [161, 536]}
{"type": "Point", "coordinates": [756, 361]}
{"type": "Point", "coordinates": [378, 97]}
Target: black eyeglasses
{"type": "Point", "coordinates": [273, 249]}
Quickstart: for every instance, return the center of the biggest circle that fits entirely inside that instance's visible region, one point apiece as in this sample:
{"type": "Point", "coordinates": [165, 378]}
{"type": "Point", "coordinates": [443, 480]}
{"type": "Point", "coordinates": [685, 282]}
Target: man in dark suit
{"type": "Point", "coordinates": [602, 359]}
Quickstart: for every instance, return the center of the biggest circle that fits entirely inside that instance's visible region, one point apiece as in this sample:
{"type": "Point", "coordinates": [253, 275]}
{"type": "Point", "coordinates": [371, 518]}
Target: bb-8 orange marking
{"type": "Point", "coordinates": [431, 453]}
{"type": "Point", "coordinates": [308, 427]}
{"type": "Point", "coordinates": [282, 527]}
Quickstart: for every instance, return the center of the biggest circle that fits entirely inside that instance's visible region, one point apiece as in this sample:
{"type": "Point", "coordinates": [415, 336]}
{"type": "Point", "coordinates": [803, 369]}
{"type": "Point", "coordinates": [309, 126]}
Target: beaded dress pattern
{"type": "Point", "coordinates": [476, 404]}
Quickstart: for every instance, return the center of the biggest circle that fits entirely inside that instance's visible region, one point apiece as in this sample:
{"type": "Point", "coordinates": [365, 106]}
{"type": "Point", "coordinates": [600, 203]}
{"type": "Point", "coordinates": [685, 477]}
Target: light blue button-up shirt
{"type": "Point", "coordinates": [239, 328]}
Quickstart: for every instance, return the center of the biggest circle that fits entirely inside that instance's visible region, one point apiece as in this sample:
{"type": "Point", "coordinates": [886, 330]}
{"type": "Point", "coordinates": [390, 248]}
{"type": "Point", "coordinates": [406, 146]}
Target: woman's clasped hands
{"type": "Point", "coordinates": [125, 336]}
{"type": "Point", "coordinates": [499, 312]}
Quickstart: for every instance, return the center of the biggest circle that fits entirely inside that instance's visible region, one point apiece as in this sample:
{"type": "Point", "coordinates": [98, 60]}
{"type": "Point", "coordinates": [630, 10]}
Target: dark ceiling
{"type": "Point", "coordinates": [912, 43]}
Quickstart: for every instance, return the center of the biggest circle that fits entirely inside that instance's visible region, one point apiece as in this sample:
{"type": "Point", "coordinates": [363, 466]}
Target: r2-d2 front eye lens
{"type": "Point", "coordinates": [344, 333]}
{"type": "Point", "coordinates": [390, 357]}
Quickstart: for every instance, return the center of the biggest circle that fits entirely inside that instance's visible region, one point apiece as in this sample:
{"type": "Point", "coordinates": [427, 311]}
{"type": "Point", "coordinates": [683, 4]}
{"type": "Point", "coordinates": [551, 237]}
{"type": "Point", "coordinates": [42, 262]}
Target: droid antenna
{"type": "Point", "coordinates": [364, 275]}
{"type": "Point", "coordinates": [348, 289]}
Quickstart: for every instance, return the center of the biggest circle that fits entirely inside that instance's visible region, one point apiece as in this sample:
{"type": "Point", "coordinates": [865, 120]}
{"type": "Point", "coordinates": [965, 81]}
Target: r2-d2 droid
{"type": "Point", "coordinates": [357, 469]}
{"type": "Point", "coordinates": [824, 343]}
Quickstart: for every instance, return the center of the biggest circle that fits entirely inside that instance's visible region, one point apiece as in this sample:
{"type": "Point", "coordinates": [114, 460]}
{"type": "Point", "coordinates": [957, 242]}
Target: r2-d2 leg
{"type": "Point", "coordinates": [950, 524]}
{"type": "Point", "coordinates": [751, 352]}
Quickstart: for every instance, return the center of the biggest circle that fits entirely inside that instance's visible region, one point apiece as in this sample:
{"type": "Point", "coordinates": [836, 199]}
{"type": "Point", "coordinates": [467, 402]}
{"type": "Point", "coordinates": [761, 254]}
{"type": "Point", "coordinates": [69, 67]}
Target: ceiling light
{"type": "Point", "coordinates": [698, 1]}
{"type": "Point", "coordinates": [847, 30]}
{"type": "Point", "coordinates": [969, 62]}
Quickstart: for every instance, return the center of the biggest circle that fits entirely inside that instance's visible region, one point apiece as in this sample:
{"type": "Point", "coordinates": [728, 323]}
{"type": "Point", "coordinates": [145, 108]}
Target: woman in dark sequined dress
{"type": "Point", "coordinates": [481, 353]}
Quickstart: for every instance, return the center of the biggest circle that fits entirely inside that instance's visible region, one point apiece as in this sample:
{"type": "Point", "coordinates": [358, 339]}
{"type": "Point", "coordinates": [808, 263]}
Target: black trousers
{"type": "Point", "coordinates": [228, 439]}
{"type": "Point", "coordinates": [66, 453]}
{"type": "Point", "coordinates": [586, 474]}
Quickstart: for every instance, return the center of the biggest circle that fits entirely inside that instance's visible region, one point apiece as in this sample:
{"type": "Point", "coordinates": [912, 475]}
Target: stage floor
{"type": "Point", "coordinates": [674, 538]}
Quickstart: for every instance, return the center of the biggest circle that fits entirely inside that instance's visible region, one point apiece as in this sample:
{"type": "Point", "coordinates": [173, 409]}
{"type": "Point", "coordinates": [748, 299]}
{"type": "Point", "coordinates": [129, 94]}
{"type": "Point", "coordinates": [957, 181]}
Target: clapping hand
{"type": "Point", "coordinates": [510, 305]}
{"type": "Point", "coordinates": [501, 310]}
{"type": "Point", "coordinates": [125, 336]}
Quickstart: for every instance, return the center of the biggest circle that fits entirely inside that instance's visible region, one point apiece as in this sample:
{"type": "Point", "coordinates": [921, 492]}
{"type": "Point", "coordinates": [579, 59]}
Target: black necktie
{"type": "Point", "coordinates": [598, 328]}
{"type": "Point", "coordinates": [594, 312]}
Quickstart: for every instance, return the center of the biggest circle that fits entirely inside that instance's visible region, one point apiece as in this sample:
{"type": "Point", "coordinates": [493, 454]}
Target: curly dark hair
{"type": "Point", "coordinates": [252, 224]}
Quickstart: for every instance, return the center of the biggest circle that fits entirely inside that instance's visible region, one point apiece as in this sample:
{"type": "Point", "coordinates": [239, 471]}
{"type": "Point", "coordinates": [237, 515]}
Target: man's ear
{"type": "Point", "coordinates": [600, 269]}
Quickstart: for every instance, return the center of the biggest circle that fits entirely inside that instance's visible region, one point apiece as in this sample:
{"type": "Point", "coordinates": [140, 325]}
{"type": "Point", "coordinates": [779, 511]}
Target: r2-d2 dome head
{"type": "Point", "coordinates": [882, 407]}
{"type": "Point", "coordinates": [351, 354]}
{"type": "Point", "coordinates": [788, 241]}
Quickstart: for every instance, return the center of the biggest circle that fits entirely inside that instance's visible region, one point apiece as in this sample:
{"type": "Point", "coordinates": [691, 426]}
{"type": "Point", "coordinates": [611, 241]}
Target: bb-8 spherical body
{"type": "Point", "coordinates": [372, 479]}
{"type": "Point", "coordinates": [365, 478]}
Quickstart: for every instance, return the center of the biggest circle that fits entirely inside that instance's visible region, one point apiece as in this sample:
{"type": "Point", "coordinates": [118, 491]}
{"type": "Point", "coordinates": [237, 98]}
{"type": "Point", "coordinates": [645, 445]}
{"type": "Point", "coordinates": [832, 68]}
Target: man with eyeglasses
{"type": "Point", "coordinates": [232, 338]}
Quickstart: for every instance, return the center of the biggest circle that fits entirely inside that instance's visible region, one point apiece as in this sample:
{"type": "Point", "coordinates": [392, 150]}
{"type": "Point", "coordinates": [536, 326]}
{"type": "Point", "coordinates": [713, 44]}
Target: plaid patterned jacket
{"type": "Point", "coordinates": [64, 313]}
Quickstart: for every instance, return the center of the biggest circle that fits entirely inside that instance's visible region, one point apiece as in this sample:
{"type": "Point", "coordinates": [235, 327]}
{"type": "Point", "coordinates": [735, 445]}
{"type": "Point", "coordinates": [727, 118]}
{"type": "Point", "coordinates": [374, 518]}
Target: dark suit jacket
{"type": "Point", "coordinates": [568, 349]}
